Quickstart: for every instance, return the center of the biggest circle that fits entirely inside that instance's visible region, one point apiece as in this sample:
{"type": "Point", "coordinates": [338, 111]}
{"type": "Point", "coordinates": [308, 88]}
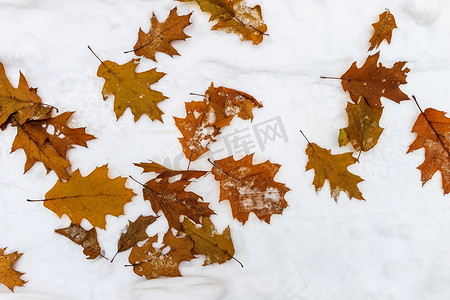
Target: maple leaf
{"type": "Point", "coordinates": [85, 238]}
{"type": "Point", "coordinates": [161, 34]}
{"type": "Point", "coordinates": [155, 262]}
{"type": "Point", "coordinates": [172, 199]}
{"type": "Point", "coordinates": [91, 197]}
{"type": "Point", "coordinates": [433, 134]}
{"type": "Point", "coordinates": [131, 89]}
{"type": "Point", "coordinates": [48, 141]}
{"type": "Point", "coordinates": [383, 29]}
{"type": "Point", "coordinates": [250, 188]}
{"type": "Point", "coordinates": [363, 128]}
{"type": "Point", "coordinates": [134, 234]}
{"type": "Point", "coordinates": [373, 81]}
{"type": "Point", "coordinates": [23, 102]}
{"type": "Point", "coordinates": [235, 17]}
{"type": "Point", "coordinates": [9, 276]}
{"type": "Point", "coordinates": [217, 248]}
{"type": "Point", "coordinates": [204, 119]}
{"type": "Point", "coordinates": [165, 172]}
{"type": "Point", "coordinates": [333, 168]}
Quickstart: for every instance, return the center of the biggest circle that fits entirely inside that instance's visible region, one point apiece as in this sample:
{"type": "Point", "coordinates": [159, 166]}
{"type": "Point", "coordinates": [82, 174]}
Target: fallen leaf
{"type": "Point", "coordinates": [433, 134]}
{"type": "Point", "coordinates": [217, 248]}
{"type": "Point", "coordinates": [165, 172]}
{"type": "Point", "coordinates": [250, 188]}
{"type": "Point", "coordinates": [131, 89]}
{"type": "Point", "coordinates": [383, 29]}
{"type": "Point", "coordinates": [373, 81]}
{"type": "Point", "coordinates": [134, 234]}
{"type": "Point", "coordinates": [154, 262]}
{"type": "Point", "coordinates": [91, 197]}
{"type": "Point", "coordinates": [363, 128]}
{"type": "Point", "coordinates": [161, 34]}
{"type": "Point", "coordinates": [333, 168]}
{"type": "Point", "coordinates": [9, 276]}
{"type": "Point", "coordinates": [235, 17]}
{"type": "Point", "coordinates": [85, 238]}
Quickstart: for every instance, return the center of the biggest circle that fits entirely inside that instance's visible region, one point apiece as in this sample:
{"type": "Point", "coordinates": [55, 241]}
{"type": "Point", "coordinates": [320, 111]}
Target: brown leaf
{"type": "Point", "coordinates": [165, 172]}
{"type": "Point", "coordinates": [155, 262]}
{"type": "Point", "coordinates": [204, 119]}
{"type": "Point", "coordinates": [174, 201]}
{"type": "Point", "coordinates": [383, 29]}
{"type": "Point", "coordinates": [131, 89]}
{"type": "Point", "coordinates": [235, 17]}
{"type": "Point", "coordinates": [218, 248]}
{"type": "Point", "coordinates": [250, 188]}
{"type": "Point", "coordinates": [363, 128]}
{"type": "Point", "coordinates": [85, 238]}
{"type": "Point", "coordinates": [9, 276]}
{"type": "Point", "coordinates": [161, 34]}
{"type": "Point", "coordinates": [91, 197]}
{"type": "Point", "coordinates": [433, 134]}
{"type": "Point", "coordinates": [373, 81]}
{"type": "Point", "coordinates": [134, 234]}
{"type": "Point", "coordinates": [333, 168]}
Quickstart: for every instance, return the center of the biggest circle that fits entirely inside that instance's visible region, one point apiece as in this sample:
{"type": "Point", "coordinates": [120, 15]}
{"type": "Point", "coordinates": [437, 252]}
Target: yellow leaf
{"type": "Point", "coordinates": [9, 276]}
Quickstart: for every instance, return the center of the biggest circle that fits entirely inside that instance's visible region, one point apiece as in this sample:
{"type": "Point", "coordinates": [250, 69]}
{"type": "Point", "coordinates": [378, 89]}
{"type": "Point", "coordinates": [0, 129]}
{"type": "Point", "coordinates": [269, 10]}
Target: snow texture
{"type": "Point", "coordinates": [395, 245]}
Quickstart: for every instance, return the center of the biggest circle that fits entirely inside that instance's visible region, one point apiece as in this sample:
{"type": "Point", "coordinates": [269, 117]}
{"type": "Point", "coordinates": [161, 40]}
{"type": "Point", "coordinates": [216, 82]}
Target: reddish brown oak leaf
{"type": "Point", "coordinates": [165, 172]}
{"type": "Point", "coordinates": [433, 134]}
{"type": "Point", "coordinates": [172, 199]}
{"type": "Point", "coordinates": [160, 36]}
{"type": "Point", "coordinates": [373, 81]}
{"type": "Point", "coordinates": [85, 238]}
{"type": "Point", "coordinates": [154, 262]}
{"type": "Point", "coordinates": [333, 168]}
{"type": "Point", "coordinates": [250, 188]}
{"type": "Point", "coordinates": [8, 275]}
{"type": "Point", "coordinates": [382, 29]}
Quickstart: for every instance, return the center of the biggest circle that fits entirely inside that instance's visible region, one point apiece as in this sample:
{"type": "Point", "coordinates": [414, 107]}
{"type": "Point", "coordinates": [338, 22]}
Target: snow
{"type": "Point", "coordinates": [395, 245]}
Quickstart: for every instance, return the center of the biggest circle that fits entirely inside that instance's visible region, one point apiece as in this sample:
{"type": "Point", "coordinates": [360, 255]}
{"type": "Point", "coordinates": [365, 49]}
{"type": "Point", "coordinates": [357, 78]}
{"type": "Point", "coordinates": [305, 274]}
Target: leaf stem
{"type": "Point", "coordinates": [89, 47]}
{"type": "Point", "coordinates": [309, 143]}
{"type": "Point", "coordinates": [329, 77]}
{"type": "Point", "coordinates": [195, 94]}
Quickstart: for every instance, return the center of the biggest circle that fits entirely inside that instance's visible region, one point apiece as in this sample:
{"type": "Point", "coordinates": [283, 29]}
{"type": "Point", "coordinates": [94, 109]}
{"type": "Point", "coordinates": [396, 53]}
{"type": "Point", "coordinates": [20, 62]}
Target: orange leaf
{"type": "Point", "coordinates": [383, 29]}
{"type": "Point", "coordinates": [161, 34]}
{"type": "Point", "coordinates": [250, 188]}
{"type": "Point", "coordinates": [165, 172]}
{"type": "Point", "coordinates": [85, 238]}
{"type": "Point", "coordinates": [9, 276]}
{"type": "Point", "coordinates": [373, 81]}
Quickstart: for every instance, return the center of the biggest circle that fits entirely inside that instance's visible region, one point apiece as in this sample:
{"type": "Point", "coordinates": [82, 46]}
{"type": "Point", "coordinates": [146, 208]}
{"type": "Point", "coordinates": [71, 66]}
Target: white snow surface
{"type": "Point", "coordinates": [395, 245]}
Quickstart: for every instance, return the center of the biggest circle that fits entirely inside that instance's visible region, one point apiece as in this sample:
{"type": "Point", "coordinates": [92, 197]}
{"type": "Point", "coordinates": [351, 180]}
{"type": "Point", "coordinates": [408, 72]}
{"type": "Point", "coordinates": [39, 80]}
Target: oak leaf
{"type": "Point", "coordinates": [8, 275]}
{"type": "Point", "coordinates": [131, 89]}
{"type": "Point", "coordinates": [363, 128]}
{"type": "Point", "coordinates": [85, 238]}
{"type": "Point", "coordinates": [250, 188]}
{"type": "Point", "coordinates": [91, 197]}
{"type": "Point", "coordinates": [134, 234]}
{"type": "Point", "coordinates": [154, 262]}
{"type": "Point", "coordinates": [172, 199]}
{"type": "Point", "coordinates": [373, 81]}
{"type": "Point", "coordinates": [204, 119]}
{"type": "Point", "coordinates": [217, 248]}
{"type": "Point", "coordinates": [433, 134]}
{"type": "Point", "coordinates": [161, 34]}
{"type": "Point", "coordinates": [166, 172]}
{"type": "Point", "coordinates": [333, 168]}
{"type": "Point", "coordinates": [235, 17]}
{"type": "Point", "coordinates": [383, 29]}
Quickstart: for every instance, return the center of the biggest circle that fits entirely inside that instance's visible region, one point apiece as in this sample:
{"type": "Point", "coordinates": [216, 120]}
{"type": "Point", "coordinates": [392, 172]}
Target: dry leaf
{"type": "Point", "coordinates": [161, 34]}
{"type": "Point", "coordinates": [333, 168]}
{"type": "Point", "coordinates": [235, 17]}
{"type": "Point", "coordinates": [85, 238]}
{"type": "Point", "coordinates": [363, 128]}
{"type": "Point", "coordinates": [134, 234]}
{"type": "Point", "coordinates": [383, 29]}
{"type": "Point", "coordinates": [165, 172]}
{"type": "Point", "coordinates": [250, 188]}
{"type": "Point", "coordinates": [91, 197]}
{"type": "Point", "coordinates": [217, 248]}
{"type": "Point", "coordinates": [433, 134]}
{"type": "Point", "coordinates": [373, 81]}
{"type": "Point", "coordinates": [131, 89]}
{"type": "Point", "coordinates": [9, 276]}
{"type": "Point", "coordinates": [155, 262]}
